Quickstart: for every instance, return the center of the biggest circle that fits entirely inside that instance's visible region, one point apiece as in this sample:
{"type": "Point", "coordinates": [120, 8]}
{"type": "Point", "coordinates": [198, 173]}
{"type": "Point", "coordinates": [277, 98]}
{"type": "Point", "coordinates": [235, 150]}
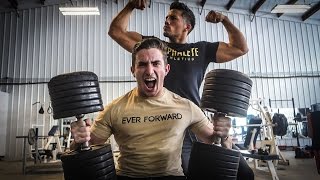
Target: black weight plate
{"type": "Point", "coordinates": [105, 171]}
{"type": "Point", "coordinates": [224, 108]}
{"type": "Point", "coordinates": [225, 100]}
{"type": "Point", "coordinates": [230, 74]}
{"type": "Point", "coordinates": [75, 112]}
{"type": "Point", "coordinates": [87, 176]}
{"type": "Point", "coordinates": [225, 94]}
{"type": "Point", "coordinates": [280, 129]}
{"type": "Point", "coordinates": [31, 136]}
{"type": "Point", "coordinates": [74, 85]}
{"type": "Point", "coordinates": [98, 166]}
{"type": "Point", "coordinates": [230, 82]}
{"type": "Point", "coordinates": [204, 157]}
{"type": "Point", "coordinates": [95, 151]}
{"type": "Point", "coordinates": [85, 173]}
{"type": "Point", "coordinates": [93, 167]}
{"type": "Point", "coordinates": [72, 77]}
{"type": "Point", "coordinates": [86, 169]}
{"type": "Point", "coordinates": [227, 88]}
{"type": "Point", "coordinates": [71, 169]}
{"type": "Point", "coordinates": [110, 176]}
{"type": "Point", "coordinates": [73, 92]}
{"type": "Point", "coordinates": [67, 94]}
{"type": "Point", "coordinates": [76, 164]}
{"type": "Point", "coordinates": [108, 157]}
{"type": "Point", "coordinates": [81, 97]}
{"type": "Point", "coordinates": [76, 105]}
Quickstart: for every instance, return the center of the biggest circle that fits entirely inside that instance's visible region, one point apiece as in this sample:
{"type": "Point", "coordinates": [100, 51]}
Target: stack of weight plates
{"type": "Point", "coordinates": [226, 91]}
{"type": "Point", "coordinates": [74, 94]}
{"type": "Point", "coordinates": [212, 162]}
{"type": "Point", "coordinates": [94, 164]}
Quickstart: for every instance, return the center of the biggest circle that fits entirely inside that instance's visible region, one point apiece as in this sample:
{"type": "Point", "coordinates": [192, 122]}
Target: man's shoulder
{"type": "Point", "coordinates": [124, 97]}
{"type": "Point", "coordinates": [178, 98]}
{"type": "Point", "coordinates": [193, 44]}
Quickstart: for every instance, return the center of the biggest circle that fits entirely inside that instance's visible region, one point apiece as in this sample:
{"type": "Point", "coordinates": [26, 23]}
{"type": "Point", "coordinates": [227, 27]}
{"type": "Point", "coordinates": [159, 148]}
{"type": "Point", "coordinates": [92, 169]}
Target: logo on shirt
{"type": "Point", "coordinates": [156, 118]}
{"type": "Point", "coordinates": [187, 55]}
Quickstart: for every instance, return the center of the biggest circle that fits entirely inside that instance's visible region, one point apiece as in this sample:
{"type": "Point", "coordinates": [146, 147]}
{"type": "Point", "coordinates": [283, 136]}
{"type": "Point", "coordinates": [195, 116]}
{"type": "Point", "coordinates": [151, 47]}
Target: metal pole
{"type": "Point", "coordinates": [295, 120]}
{"type": "Point", "coordinates": [24, 156]}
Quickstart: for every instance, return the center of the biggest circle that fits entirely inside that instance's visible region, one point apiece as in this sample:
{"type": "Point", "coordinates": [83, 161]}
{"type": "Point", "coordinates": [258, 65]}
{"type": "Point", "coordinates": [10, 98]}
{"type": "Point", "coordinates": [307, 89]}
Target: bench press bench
{"type": "Point", "coordinates": [268, 158]}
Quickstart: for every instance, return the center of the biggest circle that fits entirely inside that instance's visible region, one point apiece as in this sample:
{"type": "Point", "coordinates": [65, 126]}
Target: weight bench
{"type": "Point", "coordinates": [54, 141]}
{"type": "Point", "coordinates": [268, 158]}
{"type": "Point", "coordinates": [249, 152]}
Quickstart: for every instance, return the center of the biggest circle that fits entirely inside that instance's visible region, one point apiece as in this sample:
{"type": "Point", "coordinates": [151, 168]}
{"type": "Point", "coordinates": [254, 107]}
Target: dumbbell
{"type": "Point", "coordinates": [225, 93]}
{"type": "Point", "coordinates": [77, 94]}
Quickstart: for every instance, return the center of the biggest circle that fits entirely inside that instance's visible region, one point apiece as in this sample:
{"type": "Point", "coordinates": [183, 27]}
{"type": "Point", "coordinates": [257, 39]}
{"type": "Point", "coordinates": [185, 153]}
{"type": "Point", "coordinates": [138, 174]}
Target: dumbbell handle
{"type": "Point", "coordinates": [84, 146]}
{"type": "Point", "coordinates": [217, 139]}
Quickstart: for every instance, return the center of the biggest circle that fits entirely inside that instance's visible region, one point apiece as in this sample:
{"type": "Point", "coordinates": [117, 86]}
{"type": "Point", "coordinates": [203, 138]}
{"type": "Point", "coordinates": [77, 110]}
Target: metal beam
{"type": "Point", "coordinates": [289, 2]}
{"type": "Point", "coordinates": [257, 6]}
{"type": "Point", "coordinates": [14, 4]}
{"type": "Point", "coordinates": [71, 2]}
{"type": "Point", "coordinates": [229, 5]}
{"type": "Point", "coordinates": [311, 11]}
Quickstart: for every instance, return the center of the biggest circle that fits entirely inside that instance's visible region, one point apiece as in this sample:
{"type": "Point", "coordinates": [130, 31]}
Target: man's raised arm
{"type": "Point", "coordinates": [118, 30]}
{"type": "Point", "coordinates": [237, 45]}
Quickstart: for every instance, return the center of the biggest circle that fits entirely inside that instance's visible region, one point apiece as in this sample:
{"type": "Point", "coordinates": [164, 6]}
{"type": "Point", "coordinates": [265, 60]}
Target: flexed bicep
{"type": "Point", "coordinates": [118, 29]}
{"type": "Point", "coordinates": [127, 40]}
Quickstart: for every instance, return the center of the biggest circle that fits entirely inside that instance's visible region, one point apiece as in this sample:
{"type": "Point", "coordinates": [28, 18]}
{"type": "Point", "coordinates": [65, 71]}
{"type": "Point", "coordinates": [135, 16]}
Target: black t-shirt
{"type": "Point", "coordinates": [188, 64]}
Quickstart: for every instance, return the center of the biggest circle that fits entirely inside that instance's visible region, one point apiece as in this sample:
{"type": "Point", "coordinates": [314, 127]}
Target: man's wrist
{"type": "Point", "coordinates": [226, 142]}
{"type": "Point", "coordinates": [225, 19]}
{"type": "Point", "coordinates": [130, 5]}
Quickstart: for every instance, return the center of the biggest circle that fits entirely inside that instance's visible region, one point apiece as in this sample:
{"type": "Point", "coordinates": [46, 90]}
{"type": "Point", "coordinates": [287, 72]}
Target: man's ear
{"type": "Point", "coordinates": [167, 68]}
{"type": "Point", "coordinates": [132, 71]}
{"type": "Point", "coordinates": [188, 27]}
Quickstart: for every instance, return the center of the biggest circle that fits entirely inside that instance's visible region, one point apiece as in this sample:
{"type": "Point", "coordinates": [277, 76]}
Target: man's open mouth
{"type": "Point", "coordinates": [150, 82]}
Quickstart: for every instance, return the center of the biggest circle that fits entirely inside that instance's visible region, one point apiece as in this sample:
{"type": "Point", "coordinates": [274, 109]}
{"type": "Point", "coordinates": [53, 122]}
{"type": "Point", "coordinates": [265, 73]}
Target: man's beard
{"type": "Point", "coordinates": [166, 34]}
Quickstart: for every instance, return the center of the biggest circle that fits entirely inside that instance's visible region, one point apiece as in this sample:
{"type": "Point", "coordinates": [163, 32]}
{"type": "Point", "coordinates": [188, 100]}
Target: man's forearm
{"type": "Point", "coordinates": [236, 38]}
{"type": "Point", "coordinates": [121, 21]}
{"type": "Point", "coordinates": [118, 29]}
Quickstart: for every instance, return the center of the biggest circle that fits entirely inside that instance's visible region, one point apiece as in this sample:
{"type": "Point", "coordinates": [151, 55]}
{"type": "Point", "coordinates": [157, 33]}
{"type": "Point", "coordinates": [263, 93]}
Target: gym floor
{"type": "Point", "coordinates": [299, 169]}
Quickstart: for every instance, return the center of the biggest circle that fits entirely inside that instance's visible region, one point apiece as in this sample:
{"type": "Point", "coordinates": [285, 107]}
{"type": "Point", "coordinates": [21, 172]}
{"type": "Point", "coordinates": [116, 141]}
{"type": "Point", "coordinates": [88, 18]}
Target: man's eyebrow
{"type": "Point", "coordinates": [152, 61]}
{"type": "Point", "coordinates": [141, 62]}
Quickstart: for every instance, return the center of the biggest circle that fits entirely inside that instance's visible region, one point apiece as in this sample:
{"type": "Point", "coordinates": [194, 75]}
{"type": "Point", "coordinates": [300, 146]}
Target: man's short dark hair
{"type": "Point", "coordinates": [149, 43]}
{"type": "Point", "coordinates": [187, 14]}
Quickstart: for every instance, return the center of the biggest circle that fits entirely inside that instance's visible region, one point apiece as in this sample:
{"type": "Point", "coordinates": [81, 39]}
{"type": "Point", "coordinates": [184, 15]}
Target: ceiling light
{"type": "Point", "coordinates": [292, 8]}
{"type": "Point", "coordinates": [79, 10]}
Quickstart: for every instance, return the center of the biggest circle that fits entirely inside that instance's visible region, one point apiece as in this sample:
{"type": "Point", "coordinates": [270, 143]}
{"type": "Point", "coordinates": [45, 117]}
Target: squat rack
{"type": "Point", "coordinates": [294, 114]}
